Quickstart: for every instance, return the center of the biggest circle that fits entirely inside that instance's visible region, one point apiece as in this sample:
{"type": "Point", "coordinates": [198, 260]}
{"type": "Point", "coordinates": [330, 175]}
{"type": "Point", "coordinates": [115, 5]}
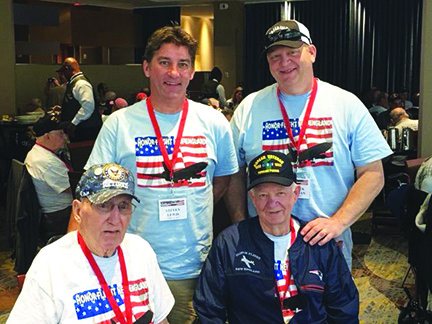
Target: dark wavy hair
{"type": "Point", "coordinates": [171, 35]}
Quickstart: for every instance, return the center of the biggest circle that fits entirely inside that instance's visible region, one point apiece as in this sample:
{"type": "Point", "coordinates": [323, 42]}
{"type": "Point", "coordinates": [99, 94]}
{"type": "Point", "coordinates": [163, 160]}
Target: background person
{"type": "Point", "coordinates": [182, 155]}
{"type": "Point", "coordinates": [50, 175]}
{"type": "Point", "coordinates": [260, 270]}
{"type": "Point", "coordinates": [78, 105]}
{"type": "Point", "coordinates": [67, 280]}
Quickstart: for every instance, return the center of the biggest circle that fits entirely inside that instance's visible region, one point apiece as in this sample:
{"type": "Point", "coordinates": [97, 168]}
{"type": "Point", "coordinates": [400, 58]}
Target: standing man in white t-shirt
{"type": "Point", "coordinates": [182, 155]}
{"type": "Point", "coordinates": [337, 144]}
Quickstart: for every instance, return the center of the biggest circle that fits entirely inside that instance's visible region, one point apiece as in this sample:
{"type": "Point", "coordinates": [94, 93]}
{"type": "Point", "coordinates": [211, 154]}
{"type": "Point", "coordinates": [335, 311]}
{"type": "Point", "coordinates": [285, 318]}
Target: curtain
{"type": "Point", "coordinates": [151, 20]}
{"type": "Point", "coordinates": [259, 18]}
{"type": "Point", "coordinates": [360, 43]}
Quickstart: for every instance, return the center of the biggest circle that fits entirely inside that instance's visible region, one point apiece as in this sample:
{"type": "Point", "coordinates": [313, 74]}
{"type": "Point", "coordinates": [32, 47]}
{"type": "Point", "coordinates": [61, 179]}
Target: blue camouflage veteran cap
{"type": "Point", "coordinates": [101, 182]}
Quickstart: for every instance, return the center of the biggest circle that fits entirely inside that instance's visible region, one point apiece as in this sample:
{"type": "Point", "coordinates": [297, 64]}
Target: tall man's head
{"type": "Point", "coordinates": [273, 190]}
{"type": "Point", "coordinates": [290, 55]}
{"type": "Point", "coordinates": [103, 206]}
{"type": "Point", "coordinates": [169, 64]}
{"type": "Point", "coordinates": [49, 132]}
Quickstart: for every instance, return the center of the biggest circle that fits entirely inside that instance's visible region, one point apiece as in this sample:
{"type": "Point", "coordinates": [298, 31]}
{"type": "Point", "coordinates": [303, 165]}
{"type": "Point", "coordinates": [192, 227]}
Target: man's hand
{"type": "Point", "coordinates": [321, 230]}
{"type": "Point", "coordinates": [71, 130]}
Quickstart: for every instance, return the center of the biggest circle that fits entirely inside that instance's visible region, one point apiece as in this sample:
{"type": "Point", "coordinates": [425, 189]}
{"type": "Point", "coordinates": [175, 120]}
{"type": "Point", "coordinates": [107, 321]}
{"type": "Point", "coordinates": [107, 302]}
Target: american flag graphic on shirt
{"type": "Point", "coordinates": [92, 306]}
{"type": "Point", "coordinates": [319, 130]}
{"type": "Point", "coordinates": [193, 149]}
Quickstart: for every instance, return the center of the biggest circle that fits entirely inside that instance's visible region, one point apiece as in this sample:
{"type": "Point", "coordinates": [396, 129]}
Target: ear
{"type": "Point", "coordinates": [193, 73]}
{"type": "Point", "coordinates": [76, 208]}
{"type": "Point", "coordinates": [146, 68]}
{"type": "Point", "coordinates": [297, 191]}
{"type": "Point", "coordinates": [312, 52]}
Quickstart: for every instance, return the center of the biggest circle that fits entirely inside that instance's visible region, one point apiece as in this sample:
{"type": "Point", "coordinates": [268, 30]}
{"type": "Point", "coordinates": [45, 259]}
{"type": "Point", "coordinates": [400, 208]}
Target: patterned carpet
{"type": "Point", "coordinates": [379, 267]}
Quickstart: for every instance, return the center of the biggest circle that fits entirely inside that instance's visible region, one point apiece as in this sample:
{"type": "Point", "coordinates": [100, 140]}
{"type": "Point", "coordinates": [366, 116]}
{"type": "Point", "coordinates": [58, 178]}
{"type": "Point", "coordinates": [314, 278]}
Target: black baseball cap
{"type": "Point", "coordinates": [47, 124]}
{"type": "Point", "coordinates": [274, 167]}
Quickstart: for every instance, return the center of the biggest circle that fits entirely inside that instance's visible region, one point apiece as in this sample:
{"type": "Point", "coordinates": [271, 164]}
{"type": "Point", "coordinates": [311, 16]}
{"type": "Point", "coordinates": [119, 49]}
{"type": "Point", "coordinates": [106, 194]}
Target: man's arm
{"type": "Point", "coordinates": [220, 185]}
{"type": "Point", "coordinates": [236, 197]}
{"type": "Point", "coordinates": [369, 183]}
{"type": "Point", "coordinates": [83, 92]}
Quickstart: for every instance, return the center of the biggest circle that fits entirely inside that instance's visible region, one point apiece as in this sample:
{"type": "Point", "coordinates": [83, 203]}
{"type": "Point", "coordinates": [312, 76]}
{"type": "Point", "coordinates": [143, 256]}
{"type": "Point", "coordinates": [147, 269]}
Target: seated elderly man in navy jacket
{"type": "Point", "coordinates": [261, 271]}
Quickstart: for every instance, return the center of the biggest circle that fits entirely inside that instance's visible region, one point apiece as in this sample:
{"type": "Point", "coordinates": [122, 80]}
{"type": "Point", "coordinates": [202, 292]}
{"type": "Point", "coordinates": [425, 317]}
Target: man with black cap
{"type": "Point", "coordinates": [260, 270]}
{"type": "Point", "coordinates": [50, 175]}
{"type": "Point", "coordinates": [78, 107]}
{"type": "Point", "coordinates": [337, 145]}
{"type": "Point", "coordinates": [98, 274]}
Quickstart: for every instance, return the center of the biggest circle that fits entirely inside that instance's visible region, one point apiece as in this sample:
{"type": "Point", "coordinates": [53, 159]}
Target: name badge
{"type": "Point", "coordinates": [303, 181]}
{"type": "Point", "coordinates": [172, 209]}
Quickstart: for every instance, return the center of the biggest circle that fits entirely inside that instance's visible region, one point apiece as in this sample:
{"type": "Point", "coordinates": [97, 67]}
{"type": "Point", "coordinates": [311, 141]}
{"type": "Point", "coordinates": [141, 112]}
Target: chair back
{"type": "Point", "coordinates": [74, 178]}
{"type": "Point", "coordinates": [79, 154]}
{"type": "Point", "coordinates": [15, 175]}
{"type": "Point", "coordinates": [413, 166]}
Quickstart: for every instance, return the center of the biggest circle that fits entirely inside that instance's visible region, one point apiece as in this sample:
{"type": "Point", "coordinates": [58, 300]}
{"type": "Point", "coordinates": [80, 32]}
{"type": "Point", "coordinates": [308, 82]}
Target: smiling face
{"type": "Point", "coordinates": [292, 68]}
{"type": "Point", "coordinates": [274, 204]}
{"type": "Point", "coordinates": [170, 71]}
{"type": "Point", "coordinates": [102, 231]}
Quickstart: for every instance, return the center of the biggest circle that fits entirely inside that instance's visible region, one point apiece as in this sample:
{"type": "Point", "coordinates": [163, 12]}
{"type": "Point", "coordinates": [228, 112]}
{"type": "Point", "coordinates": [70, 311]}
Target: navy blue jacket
{"type": "Point", "coordinates": [237, 281]}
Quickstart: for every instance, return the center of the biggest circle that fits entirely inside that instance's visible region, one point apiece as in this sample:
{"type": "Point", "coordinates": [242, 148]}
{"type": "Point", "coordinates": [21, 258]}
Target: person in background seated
{"type": "Point", "coordinates": [404, 93]}
{"type": "Point", "coordinates": [383, 119]}
{"type": "Point", "coordinates": [98, 274]}
{"type": "Point", "coordinates": [78, 105]}
{"type": "Point", "coordinates": [400, 119]}
{"type": "Point", "coordinates": [213, 88]}
{"type": "Point", "coordinates": [261, 270]}
{"type": "Point", "coordinates": [236, 98]}
{"type": "Point", "coordinates": [140, 96]}
{"type": "Point", "coordinates": [117, 104]}
{"type": "Point", "coordinates": [50, 176]}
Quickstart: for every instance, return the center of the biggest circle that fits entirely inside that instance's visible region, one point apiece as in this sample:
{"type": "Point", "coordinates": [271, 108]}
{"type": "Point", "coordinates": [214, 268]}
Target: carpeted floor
{"type": "Point", "coordinates": [379, 267]}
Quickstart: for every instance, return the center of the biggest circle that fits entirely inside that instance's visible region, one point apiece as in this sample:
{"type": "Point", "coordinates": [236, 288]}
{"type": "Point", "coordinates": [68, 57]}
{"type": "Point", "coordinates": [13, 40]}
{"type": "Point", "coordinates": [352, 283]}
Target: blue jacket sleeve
{"type": "Point", "coordinates": [341, 298]}
{"type": "Point", "coordinates": [211, 294]}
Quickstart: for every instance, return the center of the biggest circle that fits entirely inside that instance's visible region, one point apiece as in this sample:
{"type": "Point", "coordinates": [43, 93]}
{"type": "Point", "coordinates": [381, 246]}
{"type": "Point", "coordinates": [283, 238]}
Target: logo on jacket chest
{"type": "Point", "coordinates": [247, 262]}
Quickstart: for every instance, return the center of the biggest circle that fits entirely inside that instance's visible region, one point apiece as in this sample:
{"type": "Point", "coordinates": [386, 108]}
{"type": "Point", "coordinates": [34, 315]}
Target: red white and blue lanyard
{"type": "Point", "coordinates": [169, 163]}
{"type": "Point", "coordinates": [305, 119]}
{"type": "Point", "coordinates": [293, 237]}
{"type": "Point", "coordinates": [125, 283]}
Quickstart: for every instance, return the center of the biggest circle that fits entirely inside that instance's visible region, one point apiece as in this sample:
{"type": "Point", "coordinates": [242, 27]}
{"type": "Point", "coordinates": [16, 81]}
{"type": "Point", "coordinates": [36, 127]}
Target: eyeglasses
{"type": "Point", "coordinates": [284, 34]}
{"type": "Point", "coordinates": [124, 207]}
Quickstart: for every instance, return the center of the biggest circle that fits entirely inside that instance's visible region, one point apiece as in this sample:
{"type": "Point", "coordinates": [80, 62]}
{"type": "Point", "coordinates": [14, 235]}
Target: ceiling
{"type": "Point", "coordinates": [133, 4]}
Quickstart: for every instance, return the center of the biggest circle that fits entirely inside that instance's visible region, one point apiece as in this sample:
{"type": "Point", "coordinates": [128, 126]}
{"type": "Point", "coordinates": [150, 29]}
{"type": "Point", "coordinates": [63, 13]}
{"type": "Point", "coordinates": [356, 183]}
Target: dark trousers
{"type": "Point", "coordinates": [53, 224]}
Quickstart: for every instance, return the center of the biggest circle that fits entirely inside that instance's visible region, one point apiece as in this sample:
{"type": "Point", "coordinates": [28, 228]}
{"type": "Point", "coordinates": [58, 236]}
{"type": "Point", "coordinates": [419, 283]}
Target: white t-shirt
{"type": "Point", "coordinates": [338, 119]}
{"type": "Point", "coordinates": [50, 177]}
{"type": "Point", "coordinates": [61, 287]}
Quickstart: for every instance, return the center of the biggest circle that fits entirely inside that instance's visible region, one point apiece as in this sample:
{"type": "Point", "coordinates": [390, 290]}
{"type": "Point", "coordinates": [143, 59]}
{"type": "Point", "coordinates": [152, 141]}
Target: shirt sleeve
{"type": "Point", "coordinates": [83, 92]}
{"type": "Point", "coordinates": [235, 129]}
{"type": "Point", "coordinates": [226, 156]}
{"type": "Point", "coordinates": [221, 92]}
{"type": "Point", "coordinates": [34, 303]}
{"type": "Point", "coordinates": [367, 144]}
{"type": "Point", "coordinates": [104, 149]}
